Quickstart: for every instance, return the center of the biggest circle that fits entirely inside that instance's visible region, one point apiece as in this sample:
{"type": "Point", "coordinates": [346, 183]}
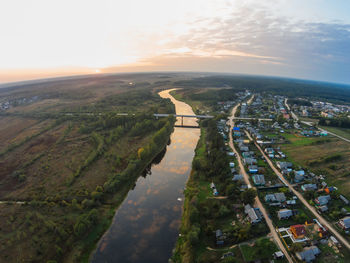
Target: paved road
{"type": "Point", "coordinates": [246, 179]}
{"type": "Point", "coordinates": [323, 221]}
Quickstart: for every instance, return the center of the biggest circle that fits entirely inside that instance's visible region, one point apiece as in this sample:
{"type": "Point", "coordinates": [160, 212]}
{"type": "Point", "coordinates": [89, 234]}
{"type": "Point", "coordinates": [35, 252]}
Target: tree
{"type": "Point", "coordinates": [248, 196]}
{"type": "Point", "coordinates": [193, 235]}
{"type": "Point", "coordinates": [140, 153]}
{"type": "Point", "coordinates": [296, 247]}
{"type": "Point", "coordinates": [232, 191]}
{"type": "Point", "coordinates": [223, 210]}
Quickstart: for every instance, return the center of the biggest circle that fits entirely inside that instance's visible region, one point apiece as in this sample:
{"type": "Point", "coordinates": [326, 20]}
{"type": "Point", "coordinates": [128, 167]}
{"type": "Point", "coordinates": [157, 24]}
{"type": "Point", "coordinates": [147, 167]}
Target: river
{"type": "Point", "coordinates": [146, 225]}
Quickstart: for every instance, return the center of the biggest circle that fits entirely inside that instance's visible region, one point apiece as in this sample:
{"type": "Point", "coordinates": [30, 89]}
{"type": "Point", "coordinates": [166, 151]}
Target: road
{"type": "Point", "coordinates": [246, 179]}
{"type": "Point", "coordinates": [259, 119]}
{"type": "Point", "coordinates": [323, 221]}
{"type": "Point", "coordinates": [295, 117]}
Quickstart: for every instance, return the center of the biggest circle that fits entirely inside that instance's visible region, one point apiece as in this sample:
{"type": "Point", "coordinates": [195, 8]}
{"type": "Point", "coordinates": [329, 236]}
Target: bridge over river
{"type": "Point", "coordinates": [182, 116]}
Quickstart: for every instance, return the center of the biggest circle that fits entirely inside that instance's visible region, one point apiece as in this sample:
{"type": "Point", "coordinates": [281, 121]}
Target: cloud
{"type": "Point", "coordinates": [254, 40]}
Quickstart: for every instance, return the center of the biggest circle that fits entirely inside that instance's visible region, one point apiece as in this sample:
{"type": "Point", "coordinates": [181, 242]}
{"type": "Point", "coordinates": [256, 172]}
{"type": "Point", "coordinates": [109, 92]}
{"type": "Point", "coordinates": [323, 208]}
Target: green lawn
{"type": "Point", "coordinates": [262, 249]}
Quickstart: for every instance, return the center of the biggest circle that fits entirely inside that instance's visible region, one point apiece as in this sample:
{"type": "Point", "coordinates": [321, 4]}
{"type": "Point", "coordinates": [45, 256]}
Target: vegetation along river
{"type": "Point", "coordinates": [146, 225]}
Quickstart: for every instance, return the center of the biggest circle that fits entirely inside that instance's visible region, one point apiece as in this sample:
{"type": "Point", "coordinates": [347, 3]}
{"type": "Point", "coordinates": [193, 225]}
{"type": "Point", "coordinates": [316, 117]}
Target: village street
{"type": "Point", "coordinates": [246, 179]}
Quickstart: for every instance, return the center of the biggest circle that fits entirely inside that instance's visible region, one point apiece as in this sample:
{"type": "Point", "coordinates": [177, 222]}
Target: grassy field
{"type": "Point", "coordinates": [66, 153]}
{"type": "Point", "coordinates": [314, 154]}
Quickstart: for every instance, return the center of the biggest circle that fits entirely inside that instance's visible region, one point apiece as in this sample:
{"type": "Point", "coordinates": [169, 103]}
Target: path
{"type": "Point", "coordinates": [246, 179]}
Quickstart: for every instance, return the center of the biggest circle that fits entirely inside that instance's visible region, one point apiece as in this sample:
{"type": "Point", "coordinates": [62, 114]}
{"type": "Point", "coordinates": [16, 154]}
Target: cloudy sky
{"type": "Point", "coordinates": [307, 39]}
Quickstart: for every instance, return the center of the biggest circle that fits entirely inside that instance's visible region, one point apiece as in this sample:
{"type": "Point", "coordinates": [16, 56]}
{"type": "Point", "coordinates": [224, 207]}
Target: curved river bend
{"type": "Point", "coordinates": [146, 225]}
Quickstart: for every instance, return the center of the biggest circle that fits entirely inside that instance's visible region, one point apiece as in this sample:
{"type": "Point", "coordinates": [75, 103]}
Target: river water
{"type": "Point", "coordinates": [146, 225]}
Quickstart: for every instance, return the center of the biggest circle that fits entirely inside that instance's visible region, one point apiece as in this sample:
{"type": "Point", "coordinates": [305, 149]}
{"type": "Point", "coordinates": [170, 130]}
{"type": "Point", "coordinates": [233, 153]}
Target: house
{"type": "Point", "coordinates": [269, 150]}
{"type": "Point", "coordinates": [280, 197]}
{"type": "Point", "coordinates": [237, 177]}
{"type": "Point", "coordinates": [323, 133]}
{"type": "Point", "coordinates": [298, 178]}
{"type": "Point", "coordinates": [244, 148]}
{"type": "Point", "coordinates": [250, 161]}
{"type": "Point", "coordinates": [291, 202]}
{"type": "Point", "coordinates": [212, 185]}
{"type": "Point", "coordinates": [281, 154]}
{"type": "Point", "coordinates": [346, 201]}
{"type": "Point", "coordinates": [232, 164]}
{"type": "Point", "coordinates": [322, 200]}
{"type": "Point", "coordinates": [284, 165]}
{"type": "Point", "coordinates": [215, 192]}
{"type": "Point", "coordinates": [237, 134]}
{"type": "Point", "coordinates": [253, 214]}
{"type": "Point", "coordinates": [309, 187]}
{"type": "Point", "coordinates": [253, 169]}
{"type": "Point", "coordinates": [278, 255]}
{"type": "Point", "coordinates": [270, 198]}
{"type": "Point", "coordinates": [220, 237]}
{"type": "Point", "coordinates": [227, 254]}
{"type": "Point", "coordinates": [345, 223]}
{"type": "Point", "coordinates": [277, 197]}
{"type": "Point", "coordinates": [231, 154]}
{"type": "Point", "coordinates": [247, 154]}
{"type": "Point", "coordinates": [298, 231]}
{"type": "Point", "coordinates": [284, 214]}
{"type": "Point", "coordinates": [308, 254]}
{"type": "Point", "coordinates": [259, 179]}
{"type": "Point", "coordinates": [300, 172]}
{"type": "Point", "coordinates": [323, 208]}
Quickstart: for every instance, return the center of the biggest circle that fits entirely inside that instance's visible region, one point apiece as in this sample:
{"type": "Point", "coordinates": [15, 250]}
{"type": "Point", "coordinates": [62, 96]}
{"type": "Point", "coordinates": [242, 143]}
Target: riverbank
{"type": "Point", "coordinates": [153, 206]}
{"type": "Point", "coordinates": [116, 201]}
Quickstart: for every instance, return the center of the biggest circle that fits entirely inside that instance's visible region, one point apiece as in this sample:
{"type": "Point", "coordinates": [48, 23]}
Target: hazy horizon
{"type": "Point", "coordinates": [292, 39]}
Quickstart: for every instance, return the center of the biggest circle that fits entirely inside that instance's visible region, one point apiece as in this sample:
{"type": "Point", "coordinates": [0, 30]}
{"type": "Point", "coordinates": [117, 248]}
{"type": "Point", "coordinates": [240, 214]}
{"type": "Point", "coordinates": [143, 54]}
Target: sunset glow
{"type": "Point", "coordinates": [59, 37]}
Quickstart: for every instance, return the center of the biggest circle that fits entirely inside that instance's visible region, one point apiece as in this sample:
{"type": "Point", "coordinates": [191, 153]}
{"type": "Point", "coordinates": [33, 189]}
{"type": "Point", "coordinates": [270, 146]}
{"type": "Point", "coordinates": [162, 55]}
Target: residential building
{"type": "Point", "coordinates": [258, 179]}
{"type": "Point", "coordinates": [322, 200]}
{"type": "Point", "coordinates": [298, 231]}
{"type": "Point", "coordinates": [284, 214]}
{"type": "Point", "coordinates": [308, 254]}
{"type": "Point", "coordinates": [309, 187]}
{"type": "Point", "coordinates": [345, 223]}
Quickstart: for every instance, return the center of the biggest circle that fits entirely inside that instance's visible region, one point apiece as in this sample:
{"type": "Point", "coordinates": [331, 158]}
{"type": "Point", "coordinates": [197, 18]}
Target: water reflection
{"type": "Point", "coordinates": [145, 227]}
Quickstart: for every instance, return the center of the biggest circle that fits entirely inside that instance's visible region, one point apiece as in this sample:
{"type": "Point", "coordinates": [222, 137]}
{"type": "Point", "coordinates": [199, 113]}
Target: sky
{"type": "Point", "coordinates": [307, 39]}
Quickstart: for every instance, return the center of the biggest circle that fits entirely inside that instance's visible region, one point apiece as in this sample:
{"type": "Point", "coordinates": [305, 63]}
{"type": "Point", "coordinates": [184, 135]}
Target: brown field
{"type": "Point", "coordinates": [12, 129]}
